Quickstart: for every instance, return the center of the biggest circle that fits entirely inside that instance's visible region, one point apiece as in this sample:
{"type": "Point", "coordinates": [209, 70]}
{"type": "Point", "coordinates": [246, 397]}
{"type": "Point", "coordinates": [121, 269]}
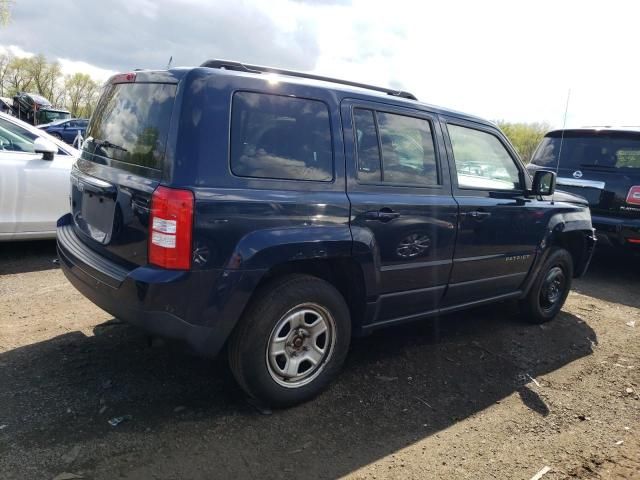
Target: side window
{"type": "Point", "coordinates": [482, 161]}
{"type": "Point", "coordinates": [408, 153]}
{"type": "Point", "coordinates": [367, 145]}
{"type": "Point", "coordinates": [15, 139]}
{"type": "Point", "coordinates": [280, 137]}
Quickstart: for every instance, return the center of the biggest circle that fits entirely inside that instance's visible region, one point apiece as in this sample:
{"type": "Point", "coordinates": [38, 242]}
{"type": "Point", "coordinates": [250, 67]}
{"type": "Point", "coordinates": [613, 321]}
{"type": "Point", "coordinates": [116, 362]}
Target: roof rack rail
{"type": "Point", "coordinates": [243, 67]}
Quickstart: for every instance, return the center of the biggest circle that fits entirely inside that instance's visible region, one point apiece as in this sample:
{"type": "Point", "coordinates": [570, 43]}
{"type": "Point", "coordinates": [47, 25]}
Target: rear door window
{"type": "Point", "coordinates": [279, 137]}
{"type": "Point", "coordinates": [131, 123]}
{"type": "Point", "coordinates": [394, 149]}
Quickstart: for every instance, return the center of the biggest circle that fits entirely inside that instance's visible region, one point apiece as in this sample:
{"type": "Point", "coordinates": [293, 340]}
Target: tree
{"type": "Point", "coordinates": [5, 12]}
{"type": "Point", "coordinates": [45, 75]}
{"type": "Point", "coordinates": [5, 60]}
{"type": "Point", "coordinates": [19, 75]}
{"type": "Point", "coordinates": [525, 137]}
{"type": "Point", "coordinates": [81, 91]}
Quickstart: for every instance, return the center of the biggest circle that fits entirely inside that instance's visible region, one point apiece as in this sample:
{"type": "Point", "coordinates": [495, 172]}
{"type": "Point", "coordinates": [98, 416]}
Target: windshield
{"type": "Point", "coordinates": [131, 123]}
{"type": "Point", "coordinates": [610, 150]}
{"type": "Point", "coordinates": [47, 116]}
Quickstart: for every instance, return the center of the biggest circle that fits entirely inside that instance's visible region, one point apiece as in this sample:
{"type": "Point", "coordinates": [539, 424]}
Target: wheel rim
{"type": "Point", "coordinates": [300, 345]}
{"type": "Point", "coordinates": [413, 245]}
{"type": "Point", "coordinates": [553, 288]}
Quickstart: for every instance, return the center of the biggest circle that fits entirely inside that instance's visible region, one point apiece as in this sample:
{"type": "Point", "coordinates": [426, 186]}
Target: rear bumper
{"type": "Point", "coordinates": [199, 307]}
{"type": "Point", "coordinates": [617, 232]}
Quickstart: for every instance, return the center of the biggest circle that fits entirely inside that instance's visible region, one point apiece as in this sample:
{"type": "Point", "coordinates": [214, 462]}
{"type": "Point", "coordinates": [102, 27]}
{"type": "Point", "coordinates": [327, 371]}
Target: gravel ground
{"type": "Point", "coordinates": [482, 396]}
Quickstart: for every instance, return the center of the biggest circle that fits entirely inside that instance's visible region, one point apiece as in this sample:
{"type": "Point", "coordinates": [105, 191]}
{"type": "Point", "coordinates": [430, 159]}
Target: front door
{"type": "Point", "coordinates": [497, 229]}
{"type": "Point", "coordinates": [34, 192]}
{"type": "Point", "coordinates": [401, 205]}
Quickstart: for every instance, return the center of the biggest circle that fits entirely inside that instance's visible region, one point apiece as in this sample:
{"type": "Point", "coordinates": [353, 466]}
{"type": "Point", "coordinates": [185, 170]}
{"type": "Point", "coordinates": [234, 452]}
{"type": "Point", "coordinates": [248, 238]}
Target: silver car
{"type": "Point", "coordinates": [34, 180]}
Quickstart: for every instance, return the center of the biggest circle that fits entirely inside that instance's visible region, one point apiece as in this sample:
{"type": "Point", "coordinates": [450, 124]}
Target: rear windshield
{"type": "Point", "coordinates": [612, 150]}
{"type": "Point", "coordinates": [131, 123]}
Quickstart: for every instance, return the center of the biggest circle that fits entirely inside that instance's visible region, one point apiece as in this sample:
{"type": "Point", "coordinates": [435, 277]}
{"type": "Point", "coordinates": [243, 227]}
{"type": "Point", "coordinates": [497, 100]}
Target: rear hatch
{"type": "Point", "coordinates": [122, 163]}
{"type": "Point", "coordinates": [601, 165]}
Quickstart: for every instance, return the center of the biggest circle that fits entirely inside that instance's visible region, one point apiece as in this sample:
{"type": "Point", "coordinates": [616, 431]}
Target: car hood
{"type": "Point", "coordinates": [561, 196]}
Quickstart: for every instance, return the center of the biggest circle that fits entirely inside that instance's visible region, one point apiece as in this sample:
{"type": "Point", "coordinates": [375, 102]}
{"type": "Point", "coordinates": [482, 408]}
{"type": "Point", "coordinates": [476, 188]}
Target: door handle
{"type": "Point", "coordinates": [382, 215]}
{"type": "Point", "coordinates": [478, 214]}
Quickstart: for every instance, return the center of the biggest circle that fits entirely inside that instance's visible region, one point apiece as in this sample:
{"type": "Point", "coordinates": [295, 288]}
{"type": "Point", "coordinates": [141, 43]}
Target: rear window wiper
{"type": "Point", "coordinates": [108, 144]}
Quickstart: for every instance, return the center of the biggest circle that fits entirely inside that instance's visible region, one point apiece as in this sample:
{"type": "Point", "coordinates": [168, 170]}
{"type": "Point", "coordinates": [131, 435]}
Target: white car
{"type": "Point", "coordinates": [34, 180]}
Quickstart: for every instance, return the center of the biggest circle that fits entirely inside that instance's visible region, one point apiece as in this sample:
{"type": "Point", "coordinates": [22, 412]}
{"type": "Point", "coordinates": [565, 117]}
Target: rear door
{"type": "Point", "coordinates": [122, 162]}
{"type": "Point", "coordinates": [497, 230]}
{"type": "Point", "coordinates": [401, 204]}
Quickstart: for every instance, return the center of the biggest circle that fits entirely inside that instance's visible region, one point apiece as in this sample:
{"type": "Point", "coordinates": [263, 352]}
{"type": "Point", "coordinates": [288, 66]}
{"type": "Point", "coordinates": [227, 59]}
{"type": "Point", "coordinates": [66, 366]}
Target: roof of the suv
{"type": "Point", "coordinates": [397, 97]}
{"type": "Point", "coordinates": [594, 130]}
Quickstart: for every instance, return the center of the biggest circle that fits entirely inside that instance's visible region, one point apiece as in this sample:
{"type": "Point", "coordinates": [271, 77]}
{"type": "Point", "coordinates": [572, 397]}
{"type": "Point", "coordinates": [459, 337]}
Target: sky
{"type": "Point", "coordinates": [502, 60]}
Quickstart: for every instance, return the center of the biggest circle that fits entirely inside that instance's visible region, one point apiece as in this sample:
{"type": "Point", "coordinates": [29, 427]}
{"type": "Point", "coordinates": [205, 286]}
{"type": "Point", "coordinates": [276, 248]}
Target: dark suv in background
{"type": "Point", "coordinates": [280, 213]}
{"type": "Point", "coordinates": [603, 166]}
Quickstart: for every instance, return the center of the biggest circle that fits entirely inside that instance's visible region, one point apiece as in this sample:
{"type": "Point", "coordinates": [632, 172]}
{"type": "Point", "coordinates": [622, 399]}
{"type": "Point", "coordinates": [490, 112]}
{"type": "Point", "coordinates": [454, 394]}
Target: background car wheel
{"type": "Point", "coordinates": [56, 135]}
{"type": "Point", "coordinates": [291, 342]}
{"type": "Point", "coordinates": [549, 291]}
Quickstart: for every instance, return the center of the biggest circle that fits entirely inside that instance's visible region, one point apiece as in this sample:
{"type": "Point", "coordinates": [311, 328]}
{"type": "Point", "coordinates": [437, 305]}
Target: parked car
{"type": "Point", "coordinates": [66, 130]}
{"type": "Point", "coordinates": [603, 166]}
{"type": "Point", "coordinates": [34, 180]}
{"type": "Point", "coordinates": [36, 110]}
{"type": "Point", "coordinates": [280, 213]}
{"type": "Point", "coordinates": [6, 105]}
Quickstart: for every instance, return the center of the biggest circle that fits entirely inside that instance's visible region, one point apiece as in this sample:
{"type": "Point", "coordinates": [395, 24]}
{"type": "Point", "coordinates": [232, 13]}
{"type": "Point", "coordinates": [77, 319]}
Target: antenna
{"type": "Point", "coordinates": [564, 124]}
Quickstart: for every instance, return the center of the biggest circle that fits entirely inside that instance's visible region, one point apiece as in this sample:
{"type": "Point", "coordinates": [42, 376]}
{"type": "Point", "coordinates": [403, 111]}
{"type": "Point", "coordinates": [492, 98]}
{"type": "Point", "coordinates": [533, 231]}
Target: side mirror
{"type": "Point", "coordinates": [65, 126]}
{"type": "Point", "coordinates": [47, 148]}
{"type": "Point", "coordinates": [544, 183]}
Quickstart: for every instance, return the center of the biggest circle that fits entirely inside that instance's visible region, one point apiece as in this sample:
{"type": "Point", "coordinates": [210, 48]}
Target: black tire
{"type": "Point", "coordinates": [264, 325]}
{"type": "Point", "coordinates": [56, 136]}
{"type": "Point", "coordinates": [550, 289]}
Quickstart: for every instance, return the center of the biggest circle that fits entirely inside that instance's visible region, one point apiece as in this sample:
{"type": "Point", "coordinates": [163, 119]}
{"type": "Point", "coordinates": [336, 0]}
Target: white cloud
{"type": "Point", "coordinates": [69, 67]}
{"type": "Point", "coordinates": [496, 59]}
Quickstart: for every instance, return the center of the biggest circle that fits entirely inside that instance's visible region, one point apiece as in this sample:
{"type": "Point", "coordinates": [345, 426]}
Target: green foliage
{"type": "Point", "coordinates": [628, 159]}
{"type": "Point", "coordinates": [5, 12]}
{"type": "Point", "coordinates": [525, 137]}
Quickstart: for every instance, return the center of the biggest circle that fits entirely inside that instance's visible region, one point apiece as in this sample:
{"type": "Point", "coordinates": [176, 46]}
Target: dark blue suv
{"type": "Point", "coordinates": [281, 213]}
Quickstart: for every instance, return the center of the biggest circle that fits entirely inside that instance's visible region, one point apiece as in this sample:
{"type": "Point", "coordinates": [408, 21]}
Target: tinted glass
{"type": "Point", "coordinates": [45, 116]}
{"type": "Point", "coordinates": [408, 153]}
{"type": "Point", "coordinates": [131, 123]}
{"type": "Point", "coordinates": [280, 137]}
{"type": "Point", "coordinates": [15, 139]}
{"type": "Point", "coordinates": [482, 161]}
{"type": "Point", "coordinates": [367, 145]}
{"type": "Point", "coordinates": [580, 150]}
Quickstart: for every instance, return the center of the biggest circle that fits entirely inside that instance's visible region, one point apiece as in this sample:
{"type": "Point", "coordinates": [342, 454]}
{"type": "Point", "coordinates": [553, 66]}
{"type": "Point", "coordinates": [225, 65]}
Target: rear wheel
{"type": "Point", "coordinates": [291, 342]}
{"type": "Point", "coordinates": [550, 289]}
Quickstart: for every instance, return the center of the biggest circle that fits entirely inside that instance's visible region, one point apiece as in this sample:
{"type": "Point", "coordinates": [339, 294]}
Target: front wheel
{"type": "Point", "coordinates": [550, 289]}
{"type": "Point", "coordinates": [291, 342]}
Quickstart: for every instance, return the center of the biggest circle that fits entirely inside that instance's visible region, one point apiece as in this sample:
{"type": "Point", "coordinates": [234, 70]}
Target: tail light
{"type": "Point", "coordinates": [123, 78]}
{"type": "Point", "coordinates": [171, 225]}
{"type": "Point", "coordinates": [633, 197]}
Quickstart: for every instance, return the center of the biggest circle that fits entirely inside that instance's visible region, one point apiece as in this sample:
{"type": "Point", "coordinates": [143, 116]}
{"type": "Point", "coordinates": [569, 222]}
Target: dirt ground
{"type": "Point", "coordinates": [483, 396]}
